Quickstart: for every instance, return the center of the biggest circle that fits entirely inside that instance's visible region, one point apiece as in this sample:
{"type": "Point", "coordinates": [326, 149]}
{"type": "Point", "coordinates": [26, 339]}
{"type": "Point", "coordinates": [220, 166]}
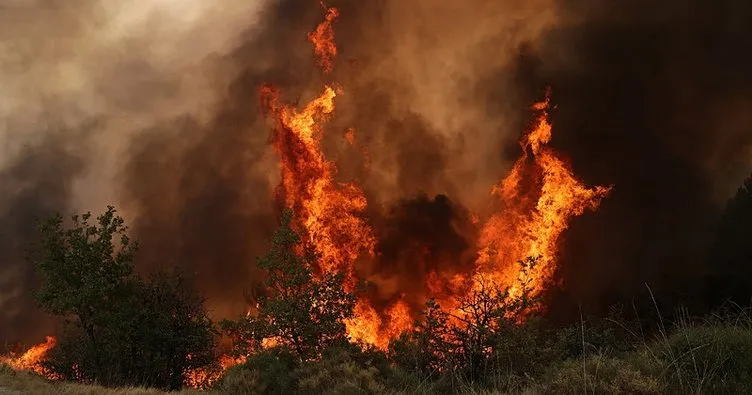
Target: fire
{"type": "Point", "coordinates": [331, 213]}
{"type": "Point", "coordinates": [202, 378]}
{"type": "Point", "coordinates": [537, 200]}
{"type": "Point", "coordinates": [323, 40]}
{"type": "Point", "coordinates": [528, 226]}
{"type": "Point", "coordinates": [32, 358]}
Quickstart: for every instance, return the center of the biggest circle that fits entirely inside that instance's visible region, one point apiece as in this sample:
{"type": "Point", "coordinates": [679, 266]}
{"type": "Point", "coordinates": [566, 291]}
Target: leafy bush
{"type": "Point", "coordinates": [471, 342]}
{"type": "Point", "coordinates": [277, 370]}
{"type": "Point", "coordinates": [270, 371]}
{"type": "Point", "coordinates": [601, 335]}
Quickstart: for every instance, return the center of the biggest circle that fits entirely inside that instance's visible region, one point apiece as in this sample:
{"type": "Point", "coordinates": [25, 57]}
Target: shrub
{"type": "Point", "coordinates": [270, 371]}
{"type": "Point", "coordinates": [707, 359]}
{"type": "Point", "coordinates": [598, 374]}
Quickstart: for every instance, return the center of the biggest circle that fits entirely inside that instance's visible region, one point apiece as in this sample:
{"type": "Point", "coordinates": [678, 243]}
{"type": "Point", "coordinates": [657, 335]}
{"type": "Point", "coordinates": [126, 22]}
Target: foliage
{"type": "Point", "coordinates": [269, 371]}
{"type": "Point", "coordinates": [341, 370]}
{"type": "Point", "coordinates": [299, 310]}
{"type": "Point", "coordinates": [120, 329]}
{"type": "Point", "coordinates": [609, 335]}
{"type": "Point", "coordinates": [81, 270]}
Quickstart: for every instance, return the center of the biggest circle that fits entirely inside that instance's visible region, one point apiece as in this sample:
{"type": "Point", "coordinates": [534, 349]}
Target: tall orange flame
{"type": "Point", "coordinates": [530, 227]}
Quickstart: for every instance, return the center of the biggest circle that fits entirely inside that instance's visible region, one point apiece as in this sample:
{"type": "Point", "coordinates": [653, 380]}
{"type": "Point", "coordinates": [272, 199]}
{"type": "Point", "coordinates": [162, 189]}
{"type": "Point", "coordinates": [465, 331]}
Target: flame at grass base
{"type": "Point", "coordinates": [32, 359]}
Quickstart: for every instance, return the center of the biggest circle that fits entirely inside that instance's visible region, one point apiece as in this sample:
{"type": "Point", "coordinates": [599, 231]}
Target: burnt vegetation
{"type": "Point", "coordinates": [121, 329]}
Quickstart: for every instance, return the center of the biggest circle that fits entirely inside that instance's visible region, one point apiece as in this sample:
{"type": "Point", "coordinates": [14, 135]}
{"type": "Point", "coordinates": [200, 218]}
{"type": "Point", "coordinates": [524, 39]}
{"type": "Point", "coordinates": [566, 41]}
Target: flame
{"type": "Point", "coordinates": [330, 214]}
{"type": "Point", "coordinates": [322, 39]}
{"type": "Point", "coordinates": [203, 378]}
{"type": "Point", "coordinates": [538, 198]}
{"type": "Point", "coordinates": [528, 227]}
{"type": "Point", "coordinates": [33, 357]}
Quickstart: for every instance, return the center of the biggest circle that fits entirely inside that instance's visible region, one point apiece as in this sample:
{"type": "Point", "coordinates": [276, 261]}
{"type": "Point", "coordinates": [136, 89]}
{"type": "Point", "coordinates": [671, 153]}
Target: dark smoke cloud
{"type": "Point", "coordinates": [418, 238]}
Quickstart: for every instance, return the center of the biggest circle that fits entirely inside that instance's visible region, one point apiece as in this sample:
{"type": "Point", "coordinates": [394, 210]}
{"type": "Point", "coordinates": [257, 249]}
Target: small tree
{"type": "Point", "coordinates": [298, 309]}
{"type": "Point", "coordinates": [84, 274]}
{"type": "Point", "coordinates": [170, 332]}
{"type": "Point", "coordinates": [120, 329]}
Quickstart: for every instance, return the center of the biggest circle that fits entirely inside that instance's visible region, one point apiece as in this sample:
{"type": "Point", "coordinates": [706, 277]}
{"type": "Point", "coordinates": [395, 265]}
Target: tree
{"type": "Point", "coordinates": [298, 309]}
{"type": "Point", "coordinates": [82, 272]}
{"type": "Point", "coordinates": [120, 329]}
{"type": "Point", "coordinates": [730, 262]}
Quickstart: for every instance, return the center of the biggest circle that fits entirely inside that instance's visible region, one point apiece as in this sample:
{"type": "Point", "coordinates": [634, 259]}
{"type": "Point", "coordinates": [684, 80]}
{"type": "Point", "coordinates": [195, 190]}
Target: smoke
{"type": "Point", "coordinates": [423, 243]}
{"type": "Point", "coordinates": [79, 81]}
{"type": "Point", "coordinates": [204, 193]}
{"type": "Point", "coordinates": [651, 97]}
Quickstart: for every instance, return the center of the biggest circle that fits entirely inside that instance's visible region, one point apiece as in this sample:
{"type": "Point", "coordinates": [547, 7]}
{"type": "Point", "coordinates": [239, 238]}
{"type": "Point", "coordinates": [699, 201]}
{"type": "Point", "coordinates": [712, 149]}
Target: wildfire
{"type": "Point", "coordinates": [537, 198]}
{"type": "Point", "coordinates": [201, 378]}
{"type": "Point", "coordinates": [32, 358]}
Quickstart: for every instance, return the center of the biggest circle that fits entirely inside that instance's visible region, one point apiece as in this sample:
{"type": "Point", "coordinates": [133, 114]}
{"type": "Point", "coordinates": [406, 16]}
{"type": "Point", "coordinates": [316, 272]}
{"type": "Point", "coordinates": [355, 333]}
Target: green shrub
{"type": "Point", "coordinates": [121, 329]}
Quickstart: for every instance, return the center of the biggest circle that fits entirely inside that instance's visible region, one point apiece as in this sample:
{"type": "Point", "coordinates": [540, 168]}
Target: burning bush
{"type": "Point", "coordinates": [120, 329]}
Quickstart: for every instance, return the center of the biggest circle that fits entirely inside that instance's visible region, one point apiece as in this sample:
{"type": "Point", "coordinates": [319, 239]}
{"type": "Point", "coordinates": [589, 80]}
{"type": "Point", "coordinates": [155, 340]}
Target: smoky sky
{"type": "Point", "coordinates": [650, 97]}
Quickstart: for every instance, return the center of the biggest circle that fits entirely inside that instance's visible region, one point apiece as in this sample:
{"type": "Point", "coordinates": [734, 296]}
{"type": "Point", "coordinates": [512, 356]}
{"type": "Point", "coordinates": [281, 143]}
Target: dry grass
{"type": "Point", "coordinates": [28, 383]}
